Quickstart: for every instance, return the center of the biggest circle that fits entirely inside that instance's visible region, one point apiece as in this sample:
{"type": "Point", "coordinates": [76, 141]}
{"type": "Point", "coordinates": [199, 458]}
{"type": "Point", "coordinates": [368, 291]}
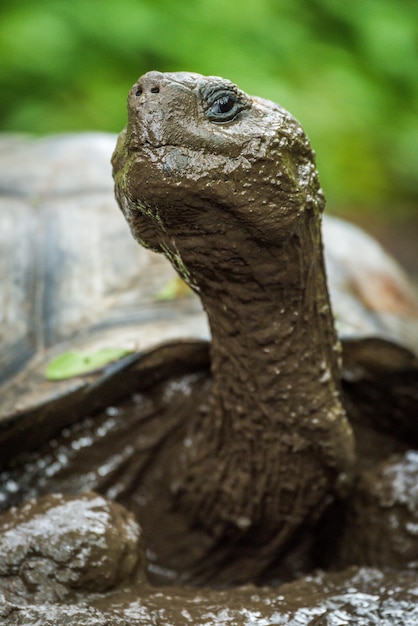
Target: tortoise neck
{"type": "Point", "coordinates": [274, 351]}
{"type": "Point", "coordinates": [274, 423]}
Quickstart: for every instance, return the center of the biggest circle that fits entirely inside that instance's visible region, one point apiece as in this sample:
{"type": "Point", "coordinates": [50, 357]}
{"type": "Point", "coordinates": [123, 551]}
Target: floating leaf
{"type": "Point", "coordinates": [74, 363]}
{"type": "Point", "coordinates": [175, 289]}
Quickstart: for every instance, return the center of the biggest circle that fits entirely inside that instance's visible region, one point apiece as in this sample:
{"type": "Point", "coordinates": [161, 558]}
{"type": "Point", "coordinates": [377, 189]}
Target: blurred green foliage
{"type": "Point", "coordinates": [347, 70]}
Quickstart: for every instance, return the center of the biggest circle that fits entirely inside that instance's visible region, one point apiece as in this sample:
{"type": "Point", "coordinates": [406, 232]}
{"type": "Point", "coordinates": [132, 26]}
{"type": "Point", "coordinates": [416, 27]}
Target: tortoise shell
{"type": "Point", "coordinates": [73, 278]}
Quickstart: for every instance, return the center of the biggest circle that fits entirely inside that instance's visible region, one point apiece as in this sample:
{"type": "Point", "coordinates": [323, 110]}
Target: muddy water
{"type": "Point", "coordinates": [79, 561]}
{"type": "Point", "coordinates": [352, 597]}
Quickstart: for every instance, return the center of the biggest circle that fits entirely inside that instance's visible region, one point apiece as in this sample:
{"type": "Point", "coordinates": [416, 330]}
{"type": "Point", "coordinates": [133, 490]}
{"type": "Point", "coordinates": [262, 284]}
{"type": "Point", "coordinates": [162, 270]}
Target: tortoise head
{"type": "Point", "coordinates": [202, 159]}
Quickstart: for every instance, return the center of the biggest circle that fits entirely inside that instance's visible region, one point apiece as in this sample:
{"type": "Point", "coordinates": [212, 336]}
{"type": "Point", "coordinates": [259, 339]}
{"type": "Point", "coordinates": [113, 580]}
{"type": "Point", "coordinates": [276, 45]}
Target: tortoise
{"type": "Point", "coordinates": [229, 452]}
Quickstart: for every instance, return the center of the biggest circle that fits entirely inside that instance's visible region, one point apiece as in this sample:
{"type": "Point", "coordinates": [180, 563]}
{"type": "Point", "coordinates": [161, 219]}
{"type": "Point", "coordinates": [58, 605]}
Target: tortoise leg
{"type": "Point", "coordinates": [53, 547]}
{"type": "Point", "coordinates": [381, 522]}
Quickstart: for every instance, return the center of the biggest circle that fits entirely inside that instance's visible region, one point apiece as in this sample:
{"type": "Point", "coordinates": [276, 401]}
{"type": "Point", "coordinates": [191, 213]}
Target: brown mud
{"type": "Point", "coordinates": [78, 561]}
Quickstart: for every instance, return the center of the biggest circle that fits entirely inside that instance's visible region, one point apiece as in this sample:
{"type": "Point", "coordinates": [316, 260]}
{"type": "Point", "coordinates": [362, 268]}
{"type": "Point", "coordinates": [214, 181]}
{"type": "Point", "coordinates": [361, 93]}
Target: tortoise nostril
{"type": "Point", "coordinates": [148, 84]}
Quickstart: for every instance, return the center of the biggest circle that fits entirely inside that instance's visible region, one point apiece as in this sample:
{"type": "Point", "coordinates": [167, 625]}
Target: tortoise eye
{"type": "Point", "coordinates": [223, 105]}
{"type": "Point", "coordinates": [224, 108]}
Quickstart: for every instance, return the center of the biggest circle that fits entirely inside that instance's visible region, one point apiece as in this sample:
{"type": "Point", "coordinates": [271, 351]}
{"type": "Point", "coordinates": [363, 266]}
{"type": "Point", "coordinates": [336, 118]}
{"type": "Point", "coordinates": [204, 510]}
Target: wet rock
{"type": "Point", "coordinates": [354, 596]}
{"type": "Point", "coordinates": [53, 547]}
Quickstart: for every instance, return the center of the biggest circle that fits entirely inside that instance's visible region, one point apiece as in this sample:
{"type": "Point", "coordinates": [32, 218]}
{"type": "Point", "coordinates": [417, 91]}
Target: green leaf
{"type": "Point", "coordinates": [74, 363]}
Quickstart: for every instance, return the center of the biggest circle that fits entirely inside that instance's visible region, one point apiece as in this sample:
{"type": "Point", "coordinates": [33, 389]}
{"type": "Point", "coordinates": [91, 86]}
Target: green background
{"type": "Point", "coordinates": [347, 69]}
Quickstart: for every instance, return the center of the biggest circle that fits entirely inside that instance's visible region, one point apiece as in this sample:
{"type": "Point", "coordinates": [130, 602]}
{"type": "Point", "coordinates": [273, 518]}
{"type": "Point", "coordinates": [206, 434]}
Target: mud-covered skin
{"type": "Point", "coordinates": [226, 187]}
